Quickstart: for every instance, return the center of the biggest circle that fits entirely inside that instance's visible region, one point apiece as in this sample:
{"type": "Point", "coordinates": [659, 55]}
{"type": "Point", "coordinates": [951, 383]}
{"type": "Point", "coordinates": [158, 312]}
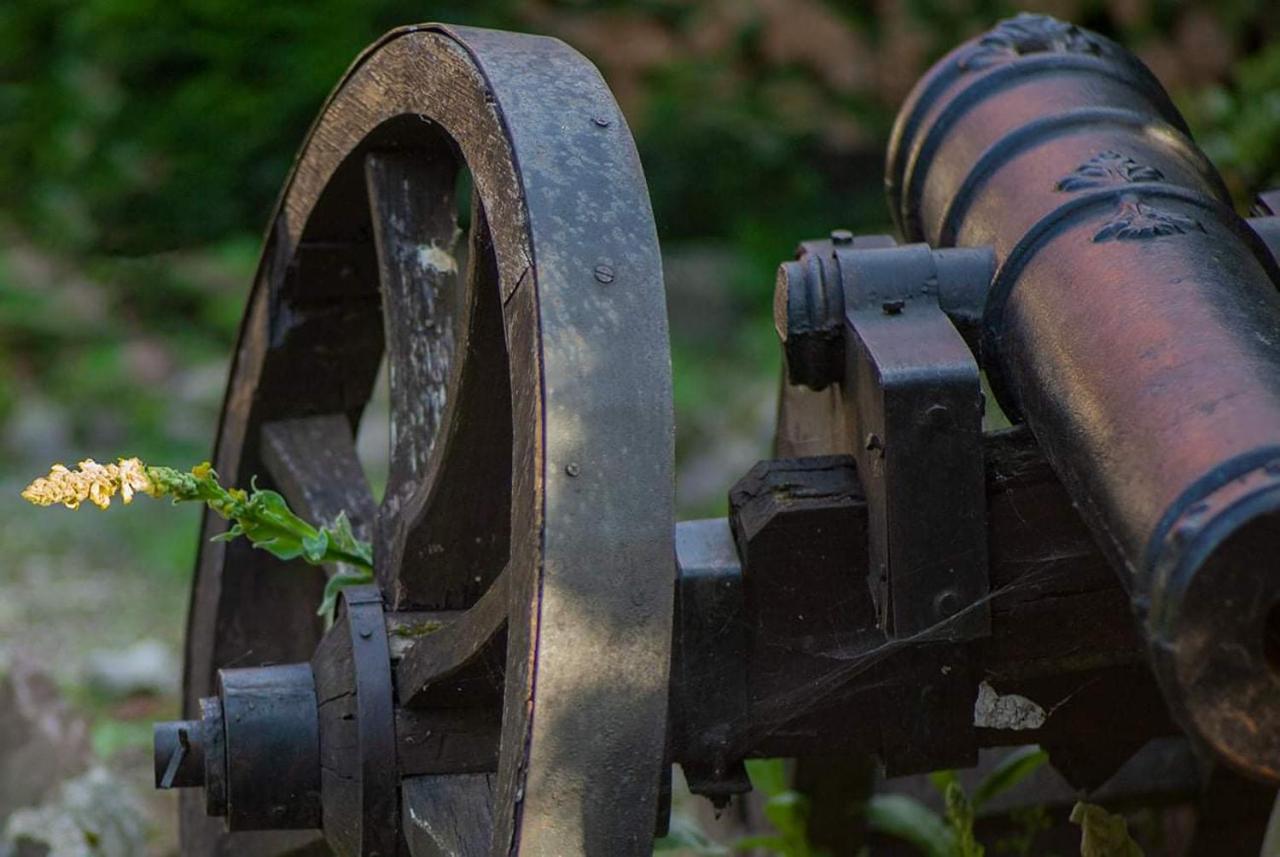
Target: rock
{"type": "Point", "coordinates": [94, 815]}
{"type": "Point", "coordinates": [41, 742]}
{"type": "Point", "coordinates": [146, 667]}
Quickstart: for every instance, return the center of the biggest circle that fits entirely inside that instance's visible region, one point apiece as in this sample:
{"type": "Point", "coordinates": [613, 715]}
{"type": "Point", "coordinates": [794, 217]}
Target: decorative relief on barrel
{"type": "Point", "coordinates": [1106, 169]}
{"type": "Point", "coordinates": [1137, 220]}
{"type": "Point", "coordinates": [1028, 34]}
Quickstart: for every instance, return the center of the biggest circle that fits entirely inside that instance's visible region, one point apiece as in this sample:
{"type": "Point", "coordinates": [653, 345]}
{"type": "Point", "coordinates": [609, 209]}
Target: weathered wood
{"type": "Point", "coordinates": [810, 422]}
{"type": "Point", "coordinates": [447, 541]}
{"type": "Point", "coordinates": [313, 463]}
{"type": "Point", "coordinates": [1062, 632]}
{"type": "Point", "coordinates": [449, 816]}
{"type": "Point", "coordinates": [445, 653]}
{"type": "Point", "coordinates": [357, 729]}
{"type": "Point", "coordinates": [333, 665]}
{"type": "Point", "coordinates": [448, 740]}
{"type": "Point", "coordinates": [415, 228]}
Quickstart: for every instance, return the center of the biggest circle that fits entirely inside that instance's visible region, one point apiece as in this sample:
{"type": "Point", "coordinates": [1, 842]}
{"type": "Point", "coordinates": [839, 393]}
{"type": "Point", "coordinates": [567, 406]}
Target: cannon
{"type": "Point", "coordinates": [544, 641]}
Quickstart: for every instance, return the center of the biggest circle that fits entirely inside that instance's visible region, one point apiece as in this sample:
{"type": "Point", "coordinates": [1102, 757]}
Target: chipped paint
{"type": "Point", "coordinates": [992, 710]}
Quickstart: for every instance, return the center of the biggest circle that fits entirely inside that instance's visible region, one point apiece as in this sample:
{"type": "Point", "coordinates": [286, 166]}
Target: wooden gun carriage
{"type": "Point", "coordinates": [544, 640]}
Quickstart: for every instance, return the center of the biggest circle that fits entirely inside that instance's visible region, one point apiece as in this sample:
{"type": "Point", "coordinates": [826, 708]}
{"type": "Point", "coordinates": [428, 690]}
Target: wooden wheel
{"type": "Point", "coordinates": [529, 503]}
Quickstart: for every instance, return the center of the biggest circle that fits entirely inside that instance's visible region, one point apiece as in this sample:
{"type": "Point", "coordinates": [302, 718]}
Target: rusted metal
{"type": "Point", "coordinates": [1133, 324]}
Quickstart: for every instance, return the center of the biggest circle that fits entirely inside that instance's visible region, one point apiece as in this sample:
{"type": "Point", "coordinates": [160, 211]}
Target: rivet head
{"type": "Point", "coordinates": [604, 273]}
{"type": "Point", "coordinates": [946, 603]}
{"type": "Point", "coordinates": [936, 415]}
{"type": "Point", "coordinates": [572, 468]}
{"type": "Point", "coordinates": [841, 237]}
{"type": "Point", "coordinates": [601, 121]}
{"type": "Point", "coordinates": [366, 634]}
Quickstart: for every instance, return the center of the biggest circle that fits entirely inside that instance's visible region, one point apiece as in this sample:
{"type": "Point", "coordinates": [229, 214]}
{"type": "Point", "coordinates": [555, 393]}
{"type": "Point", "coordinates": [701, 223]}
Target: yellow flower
{"type": "Point", "coordinates": [91, 481]}
{"type": "Point", "coordinates": [133, 477]}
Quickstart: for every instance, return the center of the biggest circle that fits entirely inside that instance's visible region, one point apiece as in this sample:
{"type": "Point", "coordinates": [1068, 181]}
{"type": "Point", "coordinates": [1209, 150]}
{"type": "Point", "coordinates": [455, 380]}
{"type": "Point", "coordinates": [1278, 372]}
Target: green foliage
{"type": "Point", "coordinates": [950, 835]}
{"type": "Point", "coordinates": [1013, 769]}
{"type": "Point", "coordinates": [1028, 823]}
{"type": "Point", "coordinates": [911, 821]}
{"type": "Point", "coordinates": [1239, 122]}
{"type": "Point", "coordinates": [265, 519]}
{"type": "Point", "coordinates": [1103, 834]}
{"type": "Point", "coordinates": [786, 809]}
{"type": "Point", "coordinates": [140, 124]}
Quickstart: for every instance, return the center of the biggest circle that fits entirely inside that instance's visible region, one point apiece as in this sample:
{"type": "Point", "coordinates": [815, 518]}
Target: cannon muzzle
{"type": "Point", "coordinates": [1134, 324]}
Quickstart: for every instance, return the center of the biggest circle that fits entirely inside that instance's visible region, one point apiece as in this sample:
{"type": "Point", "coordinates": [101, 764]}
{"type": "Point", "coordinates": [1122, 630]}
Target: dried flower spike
{"type": "Point", "coordinates": [261, 516]}
{"type": "Point", "coordinates": [91, 481]}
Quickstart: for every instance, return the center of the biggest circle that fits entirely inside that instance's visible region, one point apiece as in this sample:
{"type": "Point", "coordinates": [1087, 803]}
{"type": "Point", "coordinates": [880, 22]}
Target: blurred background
{"type": "Point", "coordinates": [142, 144]}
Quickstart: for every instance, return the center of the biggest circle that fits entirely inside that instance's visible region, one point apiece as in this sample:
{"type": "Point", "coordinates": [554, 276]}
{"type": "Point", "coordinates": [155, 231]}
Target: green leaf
{"type": "Point", "coordinates": [960, 816]}
{"type": "Point", "coordinates": [908, 819]}
{"type": "Point", "coordinates": [345, 542]}
{"type": "Point", "coordinates": [788, 812]}
{"type": "Point", "coordinates": [1103, 834]}
{"type": "Point", "coordinates": [235, 531]}
{"type": "Point", "coordinates": [339, 582]}
{"type": "Point", "coordinates": [768, 776]}
{"type": "Point", "coordinates": [315, 547]}
{"type": "Point", "coordinates": [1013, 769]}
{"type": "Point", "coordinates": [269, 505]}
{"type": "Point", "coordinates": [280, 545]}
{"type": "Point", "coordinates": [943, 780]}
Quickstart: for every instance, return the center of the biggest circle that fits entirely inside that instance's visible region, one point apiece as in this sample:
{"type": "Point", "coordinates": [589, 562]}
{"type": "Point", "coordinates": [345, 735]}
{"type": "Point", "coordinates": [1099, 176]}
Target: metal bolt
{"type": "Point", "coordinates": [572, 468]}
{"type": "Point", "coordinates": [874, 442]}
{"type": "Point", "coordinates": [946, 603]}
{"type": "Point", "coordinates": [601, 121]}
{"type": "Point", "coordinates": [604, 274]}
{"type": "Point", "coordinates": [893, 307]}
{"type": "Point", "coordinates": [841, 237]}
{"type": "Point", "coordinates": [366, 634]}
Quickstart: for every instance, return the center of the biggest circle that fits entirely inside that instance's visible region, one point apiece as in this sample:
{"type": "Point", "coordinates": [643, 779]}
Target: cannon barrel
{"type": "Point", "coordinates": [1134, 325]}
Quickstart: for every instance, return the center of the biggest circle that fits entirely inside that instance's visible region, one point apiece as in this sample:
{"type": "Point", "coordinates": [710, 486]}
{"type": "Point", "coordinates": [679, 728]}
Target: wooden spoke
{"type": "Point", "coordinates": [313, 462]}
{"type": "Point", "coordinates": [446, 652]}
{"type": "Point", "coordinates": [415, 228]}
{"type": "Point", "coordinates": [450, 539]}
{"type": "Point", "coordinates": [448, 740]}
{"type": "Point", "coordinates": [448, 816]}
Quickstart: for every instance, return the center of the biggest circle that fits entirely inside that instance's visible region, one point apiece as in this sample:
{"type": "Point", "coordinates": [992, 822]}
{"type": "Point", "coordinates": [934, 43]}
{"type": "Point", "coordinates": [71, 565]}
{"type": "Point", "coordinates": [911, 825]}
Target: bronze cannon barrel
{"type": "Point", "coordinates": [1134, 325]}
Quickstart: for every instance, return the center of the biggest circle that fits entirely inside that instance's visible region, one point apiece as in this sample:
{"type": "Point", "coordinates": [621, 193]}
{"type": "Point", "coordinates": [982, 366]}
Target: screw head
{"type": "Point", "coordinates": [604, 273]}
{"type": "Point", "coordinates": [841, 237]}
{"type": "Point", "coordinates": [601, 121]}
{"type": "Point", "coordinates": [572, 468]}
{"type": "Point", "coordinates": [946, 603]}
